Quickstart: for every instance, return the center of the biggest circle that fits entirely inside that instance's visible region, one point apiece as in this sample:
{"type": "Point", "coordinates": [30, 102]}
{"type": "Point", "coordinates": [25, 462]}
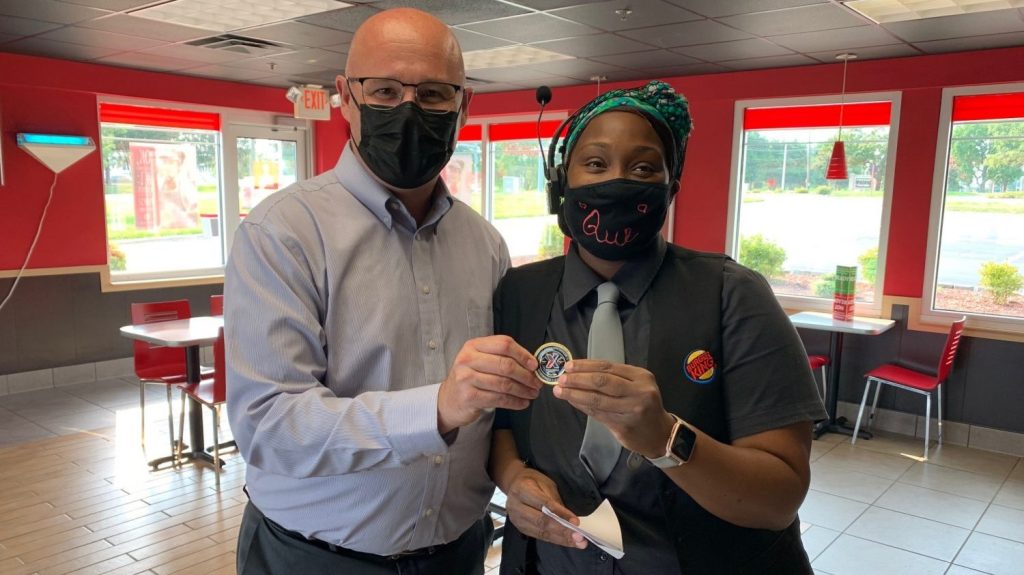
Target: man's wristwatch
{"type": "Point", "coordinates": [679, 446]}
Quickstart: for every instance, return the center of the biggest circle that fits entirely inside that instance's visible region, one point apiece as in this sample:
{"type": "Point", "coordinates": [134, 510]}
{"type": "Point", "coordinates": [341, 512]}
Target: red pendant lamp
{"type": "Point", "coordinates": [837, 161]}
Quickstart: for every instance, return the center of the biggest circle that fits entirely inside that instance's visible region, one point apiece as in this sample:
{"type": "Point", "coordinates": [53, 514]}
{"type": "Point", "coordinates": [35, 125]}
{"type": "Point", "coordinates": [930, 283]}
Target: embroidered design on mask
{"type": "Point", "coordinates": [592, 227]}
{"type": "Point", "coordinates": [642, 208]}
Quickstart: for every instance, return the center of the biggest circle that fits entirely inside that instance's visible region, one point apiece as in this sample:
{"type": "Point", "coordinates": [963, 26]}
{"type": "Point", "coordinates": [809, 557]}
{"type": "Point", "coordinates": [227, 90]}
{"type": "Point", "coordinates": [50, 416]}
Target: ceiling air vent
{"type": "Point", "coordinates": [239, 44]}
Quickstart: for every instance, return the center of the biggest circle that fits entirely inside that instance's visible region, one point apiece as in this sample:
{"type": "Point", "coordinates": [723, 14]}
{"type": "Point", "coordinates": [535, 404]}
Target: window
{"type": "Point", "coordinates": [791, 224]}
{"type": "Point", "coordinates": [507, 184]}
{"type": "Point", "coordinates": [161, 183]}
{"type": "Point", "coordinates": [178, 181]}
{"type": "Point", "coordinates": [975, 251]}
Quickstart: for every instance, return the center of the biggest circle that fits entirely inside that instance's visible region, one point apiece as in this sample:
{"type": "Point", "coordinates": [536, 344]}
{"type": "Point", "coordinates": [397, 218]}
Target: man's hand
{"type": "Point", "coordinates": [529, 491]}
{"type": "Point", "coordinates": [488, 372]}
{"type": "Point", "coordinates": [624, 398]}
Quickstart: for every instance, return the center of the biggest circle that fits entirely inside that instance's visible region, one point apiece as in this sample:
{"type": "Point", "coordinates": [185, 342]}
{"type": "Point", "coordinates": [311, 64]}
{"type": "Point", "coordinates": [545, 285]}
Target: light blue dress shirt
{"type": "Point", "coordinates": [342, 318]}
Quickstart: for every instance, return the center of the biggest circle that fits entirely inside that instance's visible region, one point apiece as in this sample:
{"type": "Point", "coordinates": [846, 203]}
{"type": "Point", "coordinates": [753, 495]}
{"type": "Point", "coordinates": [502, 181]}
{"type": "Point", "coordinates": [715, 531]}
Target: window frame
{"type": "Point", "coordinates": [230, 119]}
{"type": "Point", "coordinates": [928, 313]}
{"type": "Point", "coordinates": [808, 303]}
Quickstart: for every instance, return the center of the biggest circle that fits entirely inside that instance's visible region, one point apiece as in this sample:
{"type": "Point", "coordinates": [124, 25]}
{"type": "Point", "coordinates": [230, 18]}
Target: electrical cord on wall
{"type": "Point", "coordinates": [32, 247]}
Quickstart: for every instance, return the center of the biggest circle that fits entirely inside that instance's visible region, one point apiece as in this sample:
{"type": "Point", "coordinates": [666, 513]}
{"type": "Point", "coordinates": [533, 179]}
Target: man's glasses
{"type": "Point", "coordinates": [433, 97]}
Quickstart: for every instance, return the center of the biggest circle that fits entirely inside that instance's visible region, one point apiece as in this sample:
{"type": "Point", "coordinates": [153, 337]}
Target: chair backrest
{"type": "Point", "coordinates": [217, 304]}
{"type": "Point", "coordinates": [949, 352]}
{"type": "Point", "coordinates": [152, 361]}
{"type": "Point", "coordinates": [219, 369]}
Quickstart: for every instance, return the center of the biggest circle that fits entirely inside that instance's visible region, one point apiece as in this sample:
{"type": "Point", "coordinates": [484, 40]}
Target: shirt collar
{"type": "Point", "coordinates": [356, 178]}
{"type": "Point", "coordinates": [633, 280]}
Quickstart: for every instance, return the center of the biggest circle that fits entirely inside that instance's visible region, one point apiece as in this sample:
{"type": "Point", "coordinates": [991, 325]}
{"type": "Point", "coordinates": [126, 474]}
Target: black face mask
{"type": "Point", "coordinates": [615, 220]}
{"type": "Point", "coordinates": [405, 146]}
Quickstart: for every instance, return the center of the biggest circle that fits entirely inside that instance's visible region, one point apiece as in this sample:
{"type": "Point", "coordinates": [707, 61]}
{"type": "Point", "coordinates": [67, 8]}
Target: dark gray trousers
{"type": "Point", "coordinates": [266, 548]}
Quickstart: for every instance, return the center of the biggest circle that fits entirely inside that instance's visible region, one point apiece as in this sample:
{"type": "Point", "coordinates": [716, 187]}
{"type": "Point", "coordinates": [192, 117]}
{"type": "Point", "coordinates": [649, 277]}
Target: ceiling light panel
{"type": "Point", "coordinates": [883, 11]}
{"type": "Point", "coordinates": [228, 15]}
{"type": "Point", "coordinates": [510, 56]}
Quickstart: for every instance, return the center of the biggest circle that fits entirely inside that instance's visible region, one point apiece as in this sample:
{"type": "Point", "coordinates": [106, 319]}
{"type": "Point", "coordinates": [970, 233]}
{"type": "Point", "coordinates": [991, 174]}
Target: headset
{"type": "Point", "coordinates": [555, 175]}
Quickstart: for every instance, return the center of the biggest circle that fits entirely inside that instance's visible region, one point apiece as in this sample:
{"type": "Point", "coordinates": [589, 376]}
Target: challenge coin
{"type": "Point", "coordinates": [551, 359]}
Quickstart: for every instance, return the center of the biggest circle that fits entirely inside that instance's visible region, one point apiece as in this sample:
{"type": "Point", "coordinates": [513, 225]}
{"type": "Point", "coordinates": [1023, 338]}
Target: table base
{"type": "Point", "coordinates": [842, 425]}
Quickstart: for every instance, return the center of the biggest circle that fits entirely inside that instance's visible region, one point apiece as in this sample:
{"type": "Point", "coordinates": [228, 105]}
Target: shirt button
{"type": "Point", "coordinates": [426, 289]}
{"type": "Point", "coordinates": [602, 557]}
{"type": "Point", "coordinates": [432, 344]}
{"type": "Point", "coordinates": [438, 460]}
{"type": "Point", "coordinates": [428, 512]}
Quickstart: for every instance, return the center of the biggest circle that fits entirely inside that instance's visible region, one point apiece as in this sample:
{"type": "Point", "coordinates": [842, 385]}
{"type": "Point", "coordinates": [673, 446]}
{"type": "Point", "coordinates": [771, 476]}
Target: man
{"type": "Point", "coordinates": [361, 369]}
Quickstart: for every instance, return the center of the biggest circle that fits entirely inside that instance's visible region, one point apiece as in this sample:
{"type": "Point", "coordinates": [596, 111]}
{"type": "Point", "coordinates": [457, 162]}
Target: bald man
{"type": "Point", "coordinates": [362, 371]}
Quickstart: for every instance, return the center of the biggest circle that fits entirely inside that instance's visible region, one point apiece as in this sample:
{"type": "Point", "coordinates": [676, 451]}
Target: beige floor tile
{"type": "Point", "coordinates": [850, 555]}
{"type": "Point", "coordinates": [1011, 495]}
{"type": "Point", "coordinates": [830, 511]}
{"type": "Point", "coordinates": [958, 570]}
{"type": "Point", "coordinates": [955, 481]}
{"type": "Point", "coordinates": [935, 505]}
{"type": "Point", "coordinates": [1018, 472]}
{"type": "Point", "coordinates": [871, 462]}
{"type": "Point", "coordinates": [817, 539]}
{"type": "Point", "coordinates": [993, 555]}
{"type": "Point", "coordinates": [829, 477]}
{"type": "Point", "coordinates": [885, 442]}
{"type": "Point", "coordinates": [819, 448]}
{"type": "Point", "coordinates": [923, 536]}
{"type": "Point", "coordinates": [973, 460]}
{"type": "Point", "coordinates": [1005, 522]}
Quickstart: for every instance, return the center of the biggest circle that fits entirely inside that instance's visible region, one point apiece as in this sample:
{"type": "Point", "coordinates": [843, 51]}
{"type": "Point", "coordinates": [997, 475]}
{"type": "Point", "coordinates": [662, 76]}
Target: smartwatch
{"type": "Point", "coordinates": [679, 446]}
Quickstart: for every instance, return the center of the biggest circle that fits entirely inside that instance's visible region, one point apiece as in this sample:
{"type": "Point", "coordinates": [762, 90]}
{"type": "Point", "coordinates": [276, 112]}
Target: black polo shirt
{"type": "Point", "coordinates": [556, 428]}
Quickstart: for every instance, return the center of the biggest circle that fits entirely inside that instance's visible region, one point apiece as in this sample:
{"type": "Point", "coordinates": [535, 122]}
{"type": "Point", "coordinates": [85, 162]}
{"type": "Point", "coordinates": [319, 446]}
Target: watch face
{"type": "Point", "coordinates": [682, 446]}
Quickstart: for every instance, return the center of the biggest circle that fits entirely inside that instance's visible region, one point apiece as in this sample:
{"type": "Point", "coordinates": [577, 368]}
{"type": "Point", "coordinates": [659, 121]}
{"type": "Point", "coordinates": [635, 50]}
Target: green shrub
{"type": "Point", "coordinates": [800, 190]}
{"type": "Point", "coordinates": [823, 190]}
{"type": "Point", "coordinates": [1002, 280]}
{"type": "Point", "coordinates": [868, 261]}
{"type": "Point", "coordinates": [553, 242]}
{"type": "Point", "coordinates": [762, 255]}
{"type": "Point", "coordinates": [825, 286]}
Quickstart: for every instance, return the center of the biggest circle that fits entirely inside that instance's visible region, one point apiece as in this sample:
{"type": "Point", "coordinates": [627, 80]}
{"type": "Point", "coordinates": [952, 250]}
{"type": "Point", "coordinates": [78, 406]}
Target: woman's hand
{"type": "Point", "coordinates": [528, 492]}
{"type": "Point", "coordinates": [624, 398]}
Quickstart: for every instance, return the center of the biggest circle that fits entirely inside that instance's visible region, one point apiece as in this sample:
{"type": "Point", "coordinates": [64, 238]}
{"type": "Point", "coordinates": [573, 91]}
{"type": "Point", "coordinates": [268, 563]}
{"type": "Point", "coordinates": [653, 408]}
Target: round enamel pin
{"type": "Point", "coordinates": [551, 360]}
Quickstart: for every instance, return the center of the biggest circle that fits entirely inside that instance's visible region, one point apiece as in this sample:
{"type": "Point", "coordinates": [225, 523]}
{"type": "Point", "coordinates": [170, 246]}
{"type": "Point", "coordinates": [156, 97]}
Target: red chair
{"type": "Point", "coordinates": [820, 362]}
{"type": "Point", "coordinates": [915, 381]}
{"type": "Point", "coordinates": [156, 364]}
{"type": "Point", "coordinates": [217, 305]}
{"type": "Point", "coordinates": [210, 392]}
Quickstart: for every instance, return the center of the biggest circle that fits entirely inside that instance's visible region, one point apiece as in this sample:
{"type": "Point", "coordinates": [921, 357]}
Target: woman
{"type": "Point", "coordinates": [707, 389]}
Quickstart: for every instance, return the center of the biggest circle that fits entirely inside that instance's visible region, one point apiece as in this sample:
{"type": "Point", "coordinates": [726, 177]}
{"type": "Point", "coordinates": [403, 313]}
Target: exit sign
{"type": "Point", "coordinates": [313, 104]}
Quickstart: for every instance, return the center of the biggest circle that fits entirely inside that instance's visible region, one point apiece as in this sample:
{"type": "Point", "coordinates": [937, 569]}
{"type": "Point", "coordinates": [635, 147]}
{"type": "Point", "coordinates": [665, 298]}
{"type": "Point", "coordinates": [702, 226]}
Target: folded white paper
{"type": "Point", "coordinates": [600, 527]}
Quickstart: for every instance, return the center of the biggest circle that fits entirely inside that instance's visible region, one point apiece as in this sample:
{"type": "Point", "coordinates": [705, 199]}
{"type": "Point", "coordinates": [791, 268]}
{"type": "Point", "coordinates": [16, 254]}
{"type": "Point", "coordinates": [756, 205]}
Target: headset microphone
{"type": "Point", "coordinates": [554, 174]}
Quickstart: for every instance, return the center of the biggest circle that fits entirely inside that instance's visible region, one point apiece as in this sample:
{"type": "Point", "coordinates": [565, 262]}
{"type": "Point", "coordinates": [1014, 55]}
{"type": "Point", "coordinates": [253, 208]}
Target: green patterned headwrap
{"type": "Point", "coordinates": [666, 110]}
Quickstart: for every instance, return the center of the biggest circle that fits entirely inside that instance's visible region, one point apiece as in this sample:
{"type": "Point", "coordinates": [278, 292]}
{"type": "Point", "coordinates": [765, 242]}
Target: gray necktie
{"type": "Point", "coordinates": [600, 449]}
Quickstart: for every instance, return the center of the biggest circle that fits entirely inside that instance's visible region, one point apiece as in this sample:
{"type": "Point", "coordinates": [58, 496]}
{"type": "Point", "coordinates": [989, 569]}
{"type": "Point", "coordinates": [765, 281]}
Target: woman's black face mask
{"type": "Point", "coordinates": [616, 219]}
{"type": "Point", "coordinates": [406, 146]}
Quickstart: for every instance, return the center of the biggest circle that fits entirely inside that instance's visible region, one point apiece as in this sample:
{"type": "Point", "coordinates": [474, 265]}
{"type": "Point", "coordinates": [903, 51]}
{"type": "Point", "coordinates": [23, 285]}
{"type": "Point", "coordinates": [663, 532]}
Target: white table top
{"type": "Point", "coordinates": [824, 322]}
{"type": "Point", "coordinates": [200, 330]}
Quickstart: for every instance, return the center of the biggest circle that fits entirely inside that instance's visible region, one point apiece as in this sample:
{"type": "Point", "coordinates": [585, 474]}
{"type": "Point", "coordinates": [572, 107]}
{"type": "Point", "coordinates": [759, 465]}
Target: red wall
{"type": "Point", "coordinates": [60, 97]}
{"type": "Point", "coordinates": [702, 206]}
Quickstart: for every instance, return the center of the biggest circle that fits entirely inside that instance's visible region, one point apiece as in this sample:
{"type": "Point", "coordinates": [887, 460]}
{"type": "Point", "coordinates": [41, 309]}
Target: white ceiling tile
{"type": "Point", "coordinates": [770, 62]}
{"type": "Point", "coordinates": [298, 34]}
{"type": "Point", "coordinates": [49, 11]}
{"type": "Point", "coordinates": [24, 27]}
{"type": "Point", "coordinates": [686, 34]}
{"type": "Point", "coordinates": [226, 73]}
{"type": "Point", "coordinates": [123, 24]}
{"type": "Point", "coordinates": [980, 24]}
{"type": "Point", "coordinates": [716, 8]}
{"type": "Point", "coordinates": [100, 39]}
{"type": "Point", "coordinates": [593, 45]}
{"type": "Point", "coordinates": [578, 69]}
{"type": "Point", "coordinates": [870, 53]}
{"type": "Point", "coordinates": [644, 13]}
{"type": "Point", "coordinates": [736, 50]}
{"type": "Point", "coordinates": [531, 28]}
{"type": "Point", "coordinates": [646, 59]}
{"type": "Point", "coordinates": [973, 43]}
{"type": "Point", "coordinates": [470, 41]}
{"type": "Point", "coordinates": [796, 20]}
{"type": "Point", "coordinates": [686, 70]}
{"type": "Point", "coordinates": [194, 53]}
{"type": "Point", "coordinates": [454, 12]}
{"type": "Point", "coordinates": [149, 61]}
{"type": "Point", "coordinates": [273, 65]}
{"type": "Point", "coordinates": [347, 19]}
{"type": "Point", "coordinates": [40, 47]}
{"type": "Point", "coordinates": [112, 5]}
{"type": "Point", "coordinates": [838, 39]}
{"type": "Point", "coordinates": [314, 57]}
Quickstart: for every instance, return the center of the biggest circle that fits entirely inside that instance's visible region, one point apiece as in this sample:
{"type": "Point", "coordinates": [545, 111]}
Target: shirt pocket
{"type": "Point", "coordinates": [480, 320]}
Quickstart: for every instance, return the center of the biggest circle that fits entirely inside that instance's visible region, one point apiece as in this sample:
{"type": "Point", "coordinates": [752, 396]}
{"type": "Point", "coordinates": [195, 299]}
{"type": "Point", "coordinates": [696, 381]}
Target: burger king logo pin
{"type": "Point", "coordinates": [700, 366]}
